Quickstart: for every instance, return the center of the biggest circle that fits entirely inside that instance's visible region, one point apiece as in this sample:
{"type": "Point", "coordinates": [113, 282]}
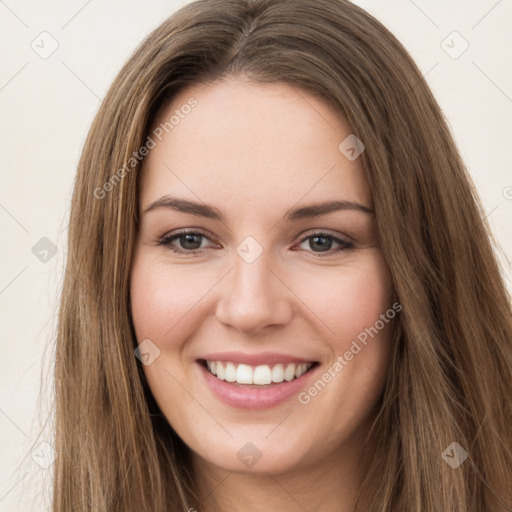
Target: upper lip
{"type": "Point", "coordinates": [255, 359]}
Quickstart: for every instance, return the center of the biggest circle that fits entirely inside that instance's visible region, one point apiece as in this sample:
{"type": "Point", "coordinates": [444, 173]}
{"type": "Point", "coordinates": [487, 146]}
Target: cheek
{"type": "Point", "coordinates": [161, 297]}
{"type": "Point", "coordinates": [171, 303]}
{"type": "Point", "coordinates": [350, 303]}
{"type": "Point", "coordinates": [349, 299]}
{"type": "Point", "coordinates": [150, 303]}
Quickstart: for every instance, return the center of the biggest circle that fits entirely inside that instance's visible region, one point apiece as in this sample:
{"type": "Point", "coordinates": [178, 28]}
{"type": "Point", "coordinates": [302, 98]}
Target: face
{"type": "Point", "coordinates": [258, 286]}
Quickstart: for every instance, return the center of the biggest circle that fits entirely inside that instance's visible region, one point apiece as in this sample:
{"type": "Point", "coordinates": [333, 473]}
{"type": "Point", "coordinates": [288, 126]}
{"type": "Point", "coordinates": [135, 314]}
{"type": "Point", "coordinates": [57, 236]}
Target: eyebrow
{"type": "Point", "coordinates": [303, 212]}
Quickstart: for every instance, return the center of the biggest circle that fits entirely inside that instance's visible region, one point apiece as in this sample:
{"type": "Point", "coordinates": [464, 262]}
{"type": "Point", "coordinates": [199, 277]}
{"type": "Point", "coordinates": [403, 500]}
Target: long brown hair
{"type": "Point", "coordinates": [451, 376]}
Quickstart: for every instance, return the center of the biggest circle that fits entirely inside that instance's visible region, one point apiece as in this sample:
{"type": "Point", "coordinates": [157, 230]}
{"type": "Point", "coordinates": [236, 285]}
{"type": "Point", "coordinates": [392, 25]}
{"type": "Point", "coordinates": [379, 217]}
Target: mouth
{"type": "Point", "coordinates": [256, 381]}
{"type": "Point", "coordinates": [260, 376]}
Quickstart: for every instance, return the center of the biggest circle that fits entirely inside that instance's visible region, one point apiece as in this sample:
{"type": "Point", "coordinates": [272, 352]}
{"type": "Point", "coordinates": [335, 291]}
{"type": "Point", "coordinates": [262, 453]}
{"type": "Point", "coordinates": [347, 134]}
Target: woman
{"type": "Point", "coordinates": [280, 292]}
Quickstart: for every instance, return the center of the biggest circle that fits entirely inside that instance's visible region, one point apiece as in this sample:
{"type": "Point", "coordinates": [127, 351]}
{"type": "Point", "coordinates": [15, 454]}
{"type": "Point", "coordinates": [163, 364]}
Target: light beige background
{"type": "Point", "coordinates": [47, 105]}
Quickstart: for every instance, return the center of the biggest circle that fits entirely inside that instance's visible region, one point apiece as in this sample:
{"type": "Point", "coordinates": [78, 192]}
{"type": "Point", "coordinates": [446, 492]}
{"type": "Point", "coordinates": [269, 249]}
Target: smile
{"type": "Point", "coordinates": [261, 375]}
{"type": "Point", "coordinates": [255, 381]}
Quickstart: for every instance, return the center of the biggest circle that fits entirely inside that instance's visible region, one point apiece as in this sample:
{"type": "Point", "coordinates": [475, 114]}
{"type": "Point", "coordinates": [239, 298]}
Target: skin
{"type": "Point", "coordinates": [254, 151]}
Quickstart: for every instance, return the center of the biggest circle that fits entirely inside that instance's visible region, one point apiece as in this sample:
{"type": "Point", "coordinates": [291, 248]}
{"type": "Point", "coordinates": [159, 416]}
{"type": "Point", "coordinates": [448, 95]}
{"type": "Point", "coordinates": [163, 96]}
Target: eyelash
{"type": "Point", "coordinates": [166, 242]}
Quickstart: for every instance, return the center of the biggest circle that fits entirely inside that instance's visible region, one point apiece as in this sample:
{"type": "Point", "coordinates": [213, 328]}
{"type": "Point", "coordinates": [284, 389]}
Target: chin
{"type": "Point", "coordinates": [258, 458]}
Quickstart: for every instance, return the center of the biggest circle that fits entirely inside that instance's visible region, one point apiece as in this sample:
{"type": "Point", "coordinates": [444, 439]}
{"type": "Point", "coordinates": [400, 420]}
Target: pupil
{"type": "Point", "coordinates": [322, 241]}
{"type": "Point", "coordinates": [191, 239]}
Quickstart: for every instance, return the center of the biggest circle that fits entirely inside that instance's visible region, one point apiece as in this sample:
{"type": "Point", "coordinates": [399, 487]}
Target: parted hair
{"type": "Point", "coordinates": [450, 379]}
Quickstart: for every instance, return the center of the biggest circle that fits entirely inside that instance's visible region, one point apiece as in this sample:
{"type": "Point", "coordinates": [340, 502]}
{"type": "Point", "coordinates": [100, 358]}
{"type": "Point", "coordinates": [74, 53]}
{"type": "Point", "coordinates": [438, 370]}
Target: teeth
{"type": "Point", "coordinates": [289, 373]}
{"type": "Point", "coordinates": [230, 372]}
{"type": "Point", "coordinates": [221, 371]}
{"type": "Point", "coordinates": [277, 373]}
{"type": "Point", "coordinates": [300, 369]}
{"type": "Point", "coordinates": [244, 374]}
{"type": "Point", "coordinates": [260, 375]}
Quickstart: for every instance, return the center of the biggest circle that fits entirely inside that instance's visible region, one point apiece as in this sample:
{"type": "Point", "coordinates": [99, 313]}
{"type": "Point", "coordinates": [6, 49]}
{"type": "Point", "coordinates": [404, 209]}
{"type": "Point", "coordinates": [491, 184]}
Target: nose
{"type": "Point", "coordinates": [254, 297]}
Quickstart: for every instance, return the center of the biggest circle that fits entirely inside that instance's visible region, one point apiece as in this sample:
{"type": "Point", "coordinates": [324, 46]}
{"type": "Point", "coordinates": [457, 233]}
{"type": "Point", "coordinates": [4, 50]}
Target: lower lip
{"type": "Point", "coordinates": [254, 398]}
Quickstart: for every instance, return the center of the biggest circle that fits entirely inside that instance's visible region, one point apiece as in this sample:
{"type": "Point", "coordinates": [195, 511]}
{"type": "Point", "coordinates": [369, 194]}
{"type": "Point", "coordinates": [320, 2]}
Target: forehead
{"type": "Point", "coordinates": [242, 140]}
